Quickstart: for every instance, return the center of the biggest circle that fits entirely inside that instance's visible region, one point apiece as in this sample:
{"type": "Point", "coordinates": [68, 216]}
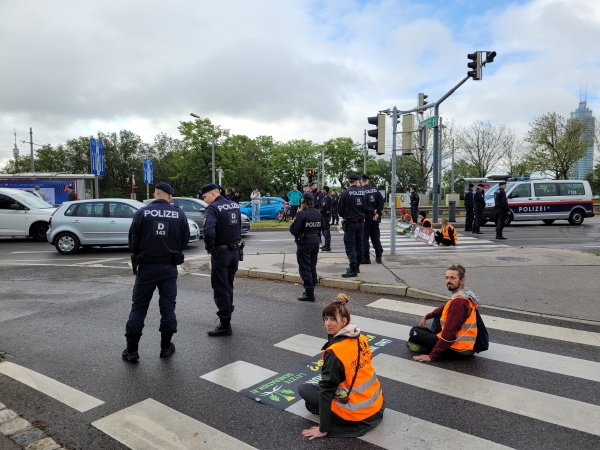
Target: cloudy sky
{"type": "Point", "coordinates": [291, 69]}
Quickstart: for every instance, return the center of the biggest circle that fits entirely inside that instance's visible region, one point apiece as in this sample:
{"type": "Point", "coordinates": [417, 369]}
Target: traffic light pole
{"type": "Point", "coordinates": [394, 182]}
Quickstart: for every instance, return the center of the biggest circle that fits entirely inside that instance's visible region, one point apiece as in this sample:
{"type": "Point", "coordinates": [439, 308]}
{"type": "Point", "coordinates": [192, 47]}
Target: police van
{"type": "Point", "coordinates": [545, 200]}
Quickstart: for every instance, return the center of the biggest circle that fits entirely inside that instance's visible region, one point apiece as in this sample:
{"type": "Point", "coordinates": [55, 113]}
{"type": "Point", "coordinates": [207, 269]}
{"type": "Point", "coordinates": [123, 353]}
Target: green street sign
{"type": "Point", "coordinates": [430, 122]}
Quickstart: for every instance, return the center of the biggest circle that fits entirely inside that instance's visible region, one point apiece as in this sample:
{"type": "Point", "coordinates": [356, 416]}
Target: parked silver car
{"type": "Point", "coordinates": [96, 222]}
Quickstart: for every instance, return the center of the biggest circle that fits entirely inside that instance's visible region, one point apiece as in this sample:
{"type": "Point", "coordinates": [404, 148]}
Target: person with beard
{"type": "Point", "coordinates": [454, 328]}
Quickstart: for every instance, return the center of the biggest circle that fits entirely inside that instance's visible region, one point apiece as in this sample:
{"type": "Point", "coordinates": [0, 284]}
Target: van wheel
{"type": "Point", "coordinates": [548, 221]}
{"type": "Point", "coordinates": [38, 231]}
{"type": "Point", "coordinates": [576, 217]}
{"type": "Point", "coordinates": [67, 243]}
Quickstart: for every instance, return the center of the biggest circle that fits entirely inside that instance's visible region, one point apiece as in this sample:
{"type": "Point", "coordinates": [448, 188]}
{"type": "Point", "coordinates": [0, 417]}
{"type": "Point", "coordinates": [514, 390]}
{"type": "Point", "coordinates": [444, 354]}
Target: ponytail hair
{"type": "Point", "coordinates": [338, 306]}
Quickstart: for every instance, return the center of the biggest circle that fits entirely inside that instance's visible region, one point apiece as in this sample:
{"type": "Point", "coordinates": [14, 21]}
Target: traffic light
{"type": "Point", "coordinates": [489, 57]}
{"type": "Point", "coordinates": [422, 101]}
{"type": "Point", "coordinates": [379, 133]}
{"type": "Point", "coordinates": [475, 65]}
{"type": "Point", "coordinates": [408, 134]}
{"type": "Point", "coordinates": [309, 174]}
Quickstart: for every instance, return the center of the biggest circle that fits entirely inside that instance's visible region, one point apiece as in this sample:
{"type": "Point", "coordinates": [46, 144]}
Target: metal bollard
{"type": "Point", "coordinates": [452, 211]}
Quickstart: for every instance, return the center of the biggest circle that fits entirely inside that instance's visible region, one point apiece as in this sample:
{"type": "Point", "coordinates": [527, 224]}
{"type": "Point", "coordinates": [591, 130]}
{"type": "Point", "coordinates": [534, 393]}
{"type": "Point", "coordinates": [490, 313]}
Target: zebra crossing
{"type": "Point", "coordinates": [566, 405]}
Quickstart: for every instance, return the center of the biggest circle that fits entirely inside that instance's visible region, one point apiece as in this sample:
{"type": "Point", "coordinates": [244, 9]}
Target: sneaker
{"type": "Point", "coordinates": [130, 356]}
{"type": "Point", "coordinates": [312, 408]}
{"type": "Point", "coordinates": [166, 352]}
{"type": "Point", "coordinates": [415, 348]}
{"type": "Point", "coordinates": [220, 331]}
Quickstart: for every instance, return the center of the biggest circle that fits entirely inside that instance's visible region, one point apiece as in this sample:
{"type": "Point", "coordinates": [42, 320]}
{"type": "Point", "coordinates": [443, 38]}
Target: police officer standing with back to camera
{"type": "Point", "coordinates": [326, 209]}
{"type": "Point", "coordinates": [373, 210]}
{"type": "Point", "coordinates": [502, 209]}
{"type": "Point", "coordinates": [414, 204]}
{"type": "Point", "coordinates": [223, 240]}
{"type": "Point", "coordinates": [478, 206]}
{"type": "Point", "coordinates": [469, 208]}
{"type": "Point", "coordinates": [157, 236]}
{"type": "Point", "coordinates": [316, 195]}
{"type": "Point", "coordinates": [352, 211]}
{"type": "Point", "coordinates": [307, 232]}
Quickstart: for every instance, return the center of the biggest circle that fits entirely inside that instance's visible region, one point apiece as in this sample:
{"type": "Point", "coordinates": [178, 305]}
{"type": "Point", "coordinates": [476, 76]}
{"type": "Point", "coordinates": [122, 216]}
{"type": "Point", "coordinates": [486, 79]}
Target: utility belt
{"type": "Point", "coordinates": [355, 220]}
{"type": "Point", "coordinates": [238, 245]}
{"type": "Point", "coordinates": [230, 246]}
{"type": "Point", "coordinates": [174, 258]}
{"type": "Point", "coordinates": [305, 237]}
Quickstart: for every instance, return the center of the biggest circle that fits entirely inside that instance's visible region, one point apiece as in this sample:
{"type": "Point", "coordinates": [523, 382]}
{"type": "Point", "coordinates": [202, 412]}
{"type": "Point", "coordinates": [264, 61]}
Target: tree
{"type": "Point", "coordinates": [483, 145]}
{"type": "Point", "coordinates": [288, 161]}
{"type": "Point", "coordinates": [342, 156]}
{"type": "Point", "coordinates": [556, 144]}
{"type": "Point", "coordinates": [594, 179]}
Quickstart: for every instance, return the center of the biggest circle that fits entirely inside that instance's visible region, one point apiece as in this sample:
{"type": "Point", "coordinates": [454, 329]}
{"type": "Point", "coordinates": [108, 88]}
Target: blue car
{"type": "Point", "coordinates": [269, 207]}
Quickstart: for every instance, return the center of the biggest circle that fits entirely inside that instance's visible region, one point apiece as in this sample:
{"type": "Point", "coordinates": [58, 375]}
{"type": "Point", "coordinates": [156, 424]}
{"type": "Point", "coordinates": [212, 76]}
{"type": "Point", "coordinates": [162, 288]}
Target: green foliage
{"type": "Point", "coordinates": [594, 179]}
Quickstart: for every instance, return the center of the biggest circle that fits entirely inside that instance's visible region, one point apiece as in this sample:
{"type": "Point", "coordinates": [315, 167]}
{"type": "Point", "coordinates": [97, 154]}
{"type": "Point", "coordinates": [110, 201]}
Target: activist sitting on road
{"type": "Point", "coordinates": [404, 216]}
{"type": "Point", "coordinates": [454, 328]}
{"type": "Point", "coordinates": [348, 400]}
{"type": "Point", "coordinates": [423, 220]}
{"type": "Point", "coordinates": [447, 236]}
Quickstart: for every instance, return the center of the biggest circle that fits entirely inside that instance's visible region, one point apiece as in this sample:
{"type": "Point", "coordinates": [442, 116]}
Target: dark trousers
{"type": "Point", "coordinates": [477, 218]}
{"type": "Point", "coordinates": [500, 221]}
{"type": "Point", "coordinates": [294, 209]}
{"type": "Point", "coordinates": [440, 239]}
{"type": "Point", "coordinates": [414, 212]}
{"type": "Point", "coordinates": [310, 394]}
{"type": "Point", "coordinates": [306, 255]}
{"type": "Point", "coordinates": [468, 219]}
{"type": "Point", "coordinates": [335, 216]}
{"type": "Point", "coordinates": [149, 277]}
{"type": "Point", "coordinates": [224, 266]}
{"type": "Point", "coordinates": [353, 241]}
{"type": "Point", "coordinates": [371, 230]}
{"type": "Point", "coordinates": [326, 233]}
{"type": "Point", "coordinates": [427, 337]}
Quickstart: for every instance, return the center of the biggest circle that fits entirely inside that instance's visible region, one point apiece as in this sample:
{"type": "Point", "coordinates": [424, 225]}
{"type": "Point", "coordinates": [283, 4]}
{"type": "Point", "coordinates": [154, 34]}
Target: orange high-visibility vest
{"type": "Point", "coordinates": [426, 223]}
{"type": "Point", "coordinates": [466, 336]}
{"type": "Point", "coordinates": [366, 397]}
{"type": "Point", "coordinates": [446, 234]}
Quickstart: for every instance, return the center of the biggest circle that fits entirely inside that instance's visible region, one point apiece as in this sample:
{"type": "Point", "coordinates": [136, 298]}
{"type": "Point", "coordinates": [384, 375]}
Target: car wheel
{"type": "Point", "coordinates": [38, 231]}
{"type": "Point", "coordinates": [67, 243]}
{"type": "Point", "coordinates": [576, 217]}
{"type": "Point", "coordinates": [548, 221]}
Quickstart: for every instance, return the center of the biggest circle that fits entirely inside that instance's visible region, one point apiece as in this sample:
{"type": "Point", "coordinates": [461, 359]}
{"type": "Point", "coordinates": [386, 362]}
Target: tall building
{"type": "Point", "coordinates": [584, 165]}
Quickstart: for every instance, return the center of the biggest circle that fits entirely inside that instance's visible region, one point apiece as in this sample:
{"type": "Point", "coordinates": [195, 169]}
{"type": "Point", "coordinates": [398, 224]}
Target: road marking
{"type": "Point", "coordinates": [65, 394]}
{"type": "Point", "coordinates": [397, 431]}
{"type": "Point", "coordinates": [517, 400]}
{"type": "Point", "coordinates": [499, 323]}
{"type": "Point", "coordinates": [100, 261]}
{"type": "Point", "coordinates": [39, 251]}
{"type": "Point", "coordinates": [152, 425]}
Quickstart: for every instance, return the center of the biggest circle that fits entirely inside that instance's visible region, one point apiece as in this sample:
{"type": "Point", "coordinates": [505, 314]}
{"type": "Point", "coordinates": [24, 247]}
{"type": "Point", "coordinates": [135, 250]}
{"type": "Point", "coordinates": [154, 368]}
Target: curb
{"type": "Point", "coordinates": [23, 433]}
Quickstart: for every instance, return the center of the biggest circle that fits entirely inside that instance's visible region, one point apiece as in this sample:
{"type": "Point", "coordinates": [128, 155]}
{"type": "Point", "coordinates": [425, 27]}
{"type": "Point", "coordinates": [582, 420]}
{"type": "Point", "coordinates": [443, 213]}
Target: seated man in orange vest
{"type": "Point", "coordinates": [454, 328]}
{"type": "Point", "coordinates": [424, 221]}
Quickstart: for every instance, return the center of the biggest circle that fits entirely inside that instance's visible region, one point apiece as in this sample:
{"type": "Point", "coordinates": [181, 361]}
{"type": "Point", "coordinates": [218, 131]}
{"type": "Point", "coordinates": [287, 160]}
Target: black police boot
{"type": "Point", "coordinates": [130, 354]}
{"type": "Point", "coordinates": [167, 348]}
{"type": "Point", "coordinates": [358, 267]}
{"type": "Point", "coordinates": [378, 259]}
{"type": "Point", "coordinates": [224, 329]}
{"type": "Point", "coordinates": [307, 296]}
{"type": "Point", "coordinates": [478, 231]}
{"type": "Point", "coordinates": [500, 237]}
{"type": "Point", "coordinates": [366, 261]}
{"type": "Point", "coordinates": [351, 271]}
{"type": "Point", "coordinates": [326, 248]}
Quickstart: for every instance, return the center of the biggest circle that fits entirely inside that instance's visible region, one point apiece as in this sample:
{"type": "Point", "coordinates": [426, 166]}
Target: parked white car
{"type": "Point", "coordinates": [24, 214]}
{"type": "Point", "coordinates": [96, 222]}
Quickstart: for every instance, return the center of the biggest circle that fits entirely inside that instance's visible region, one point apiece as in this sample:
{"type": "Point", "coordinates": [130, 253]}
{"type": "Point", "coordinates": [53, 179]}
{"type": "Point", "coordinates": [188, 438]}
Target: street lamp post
{"type": "Point", "coordinates": [213, 147]}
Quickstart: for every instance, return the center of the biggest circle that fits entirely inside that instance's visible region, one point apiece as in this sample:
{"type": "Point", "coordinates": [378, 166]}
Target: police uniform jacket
{"type": "Point", "coordinates": [326, 206]}
{"type": "Point", "coordinates": [307, 225]}
{"type": "Point", "coordinates": [469, 198]}
{"type": "Point", "coordinates": [414, 199]}
{"type": "Point", "coordinates": [478, 200]}
{"type": "Point", "coordinates": [318, 196]}
{"type": "Point", "coordinates": [158, 231]}
{"type": "Point", "coordinates": [222, 224]}
{"type": "Point", "coordinates": [500, 201]}
{"type": "Point", "coordinates": [374, 201]}
{"type": "Point", "coordinates": [352, 204]}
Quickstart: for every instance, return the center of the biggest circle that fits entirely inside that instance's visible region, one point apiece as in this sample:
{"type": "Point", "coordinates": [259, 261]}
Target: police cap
{"type": "Point", "coordinates": [308, 196]}
{"type": "Point", "coordinates": [165, 187]}
{"type": "Point", "coordinates": [502, 183]}
{"type": "Point", "coordinates": [365, 176]}
{"type": "Point", "coordinates": [481, 185]}
{"type": "Point", "coordinates": [208, 187]}
{"type": "Point", "coordinates": [471, 185]}
{"type": "Point", "coordinates": [353, 177]}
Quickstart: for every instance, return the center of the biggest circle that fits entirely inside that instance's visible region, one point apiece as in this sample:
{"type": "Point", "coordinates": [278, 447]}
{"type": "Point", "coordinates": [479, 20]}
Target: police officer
{"type": "Point", "coordinates": [469, 208]}
{"type": "Point", "coordinates": [326, 209]}
{"type": "Point", "coordinates": [478, 205]}
{"type": "Point", "coordinates": [222, 239]}
{"type": "Point", "coordinates": [157, 236]}
{"type": "Point", "coordinates": [373, 210]}
{"type": "Point", "coordinates": [316, 195]}
{"type": "Point", "coordinates": [352, 211]}
{"type": "Point", "coordinates": [307, 232]}
{"type": "Point", "coordinates": [501, 208]}
{"type": "Point", "coordinates": [414, 204]}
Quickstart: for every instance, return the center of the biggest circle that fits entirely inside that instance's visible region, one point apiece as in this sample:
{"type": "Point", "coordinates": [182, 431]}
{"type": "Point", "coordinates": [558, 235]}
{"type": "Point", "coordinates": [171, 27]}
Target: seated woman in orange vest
{"type": "Point", "coordinates": [348, 400]}
{"type": "Point", "coordinates": [447, 236]}
{"type": "Point", "coordinates": [454, 328]}
{"type": "Point", "coordinates": [424, 221]}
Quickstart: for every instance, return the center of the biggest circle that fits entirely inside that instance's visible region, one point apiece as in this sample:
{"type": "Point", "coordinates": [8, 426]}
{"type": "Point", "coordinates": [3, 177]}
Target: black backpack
{"type": "Point", "coordinates": [482, 342]}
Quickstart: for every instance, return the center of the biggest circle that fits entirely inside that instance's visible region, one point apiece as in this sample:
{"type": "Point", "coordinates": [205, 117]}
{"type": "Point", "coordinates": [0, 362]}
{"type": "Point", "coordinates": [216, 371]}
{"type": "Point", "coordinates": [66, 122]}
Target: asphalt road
{"type": "Point", "coordinates": [63, 317]}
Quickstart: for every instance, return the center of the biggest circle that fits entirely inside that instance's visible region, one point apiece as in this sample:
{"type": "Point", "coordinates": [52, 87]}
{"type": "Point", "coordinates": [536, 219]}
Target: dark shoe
{"type": "Point", "coordinates": [358, 268]}
{"type": "Point", "coordinates": [500, 237]}
{"type": "Point", "coordinates": [416, 348]}
{"type": "Point", "coordinates": [220, 331]}
{"type": "Point", "coordinates": [378, 260]}
{"type": "Point", "coordinates": [325, 249]}
{"type": "Point", "coordinates": [166, 352]}
{"type": "Point", "coordinates": [312, 408]}
{"type": "Point", "coordinates": [307, 297]}
{"type": "Point", "coordinates": [351, 271]}
{"type": "Point", "coordinates": [366, 261]}
{"type": "Point", "coordinates": [479, 232]}
{"type": "Point", "coordinates": [130, 356]}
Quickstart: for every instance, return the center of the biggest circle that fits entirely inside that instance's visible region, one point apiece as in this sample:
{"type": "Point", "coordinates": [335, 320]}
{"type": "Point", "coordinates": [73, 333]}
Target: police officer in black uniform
{"type": "Point", "coordinates": [373, 211]}
{"type": "Point", "coordinates": [335, 200]}
{"type": "Point", "coordinates": [501, 207]}
{"type": "Point", "coordinates": [157, 236]}
{"type": "Point", "coordinates": [326, 210]}
{"type": "Point", "coordinates": [316, 195]}
{"type": "Point", "coordinates": [414, 204]}
{"type": "Point", "coordinates": [478, 206]}
{"type": "Point", "coordinates": [352, 211]}
{"type": "Point", "coordinates": [307, 232]}
{"type": "Point", "coordinates": [223, 240]}
{"type": "Point", "coordinates": [469, 208]}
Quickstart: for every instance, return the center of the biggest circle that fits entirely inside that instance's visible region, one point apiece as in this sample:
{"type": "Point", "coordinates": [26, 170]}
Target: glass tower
{"type": "Point", "coordinates": [584, 165]}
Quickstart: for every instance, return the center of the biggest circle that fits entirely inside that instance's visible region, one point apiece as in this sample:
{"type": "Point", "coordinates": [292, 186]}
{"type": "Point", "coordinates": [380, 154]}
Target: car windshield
{"type": "Point", "coordinates": [32, 201]}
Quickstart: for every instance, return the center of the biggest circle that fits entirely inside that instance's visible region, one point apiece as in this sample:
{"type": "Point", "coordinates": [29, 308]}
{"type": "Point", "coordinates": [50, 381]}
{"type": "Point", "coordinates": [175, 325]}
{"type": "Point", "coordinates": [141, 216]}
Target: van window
{"type": "Point", "coordinates": [572, 189]}
{"type": "Point", "coordinates": [546, 189]}
{"type": "Point", "coordinates": [523, 190]}
{"type": "Point", "coordinates": [6, 201]}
